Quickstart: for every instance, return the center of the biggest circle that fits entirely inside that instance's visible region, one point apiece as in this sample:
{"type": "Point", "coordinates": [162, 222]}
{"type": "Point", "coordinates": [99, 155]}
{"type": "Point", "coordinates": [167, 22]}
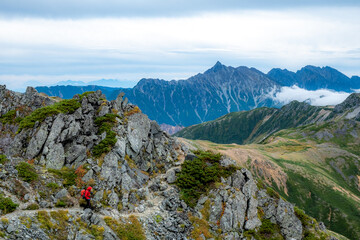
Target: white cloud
{"type": "Point", "coordinates": [322, 97]}
{"type": "Point", "coordinates": [263, 39]}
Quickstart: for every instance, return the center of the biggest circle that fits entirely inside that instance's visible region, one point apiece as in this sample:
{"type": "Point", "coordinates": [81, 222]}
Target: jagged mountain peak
{"type": "Point", "coordinates": [279, 70]}
{"type": "Point", "coordinates": [327, 72]}
{"type": "Point", "coordinates": [218, 67]}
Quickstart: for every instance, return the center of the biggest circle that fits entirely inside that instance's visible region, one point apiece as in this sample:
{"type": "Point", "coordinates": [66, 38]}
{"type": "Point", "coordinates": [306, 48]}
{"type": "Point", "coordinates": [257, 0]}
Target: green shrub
{"type": "Point", "coordinates": [197, 175]}
{"type": "Point", "coordinates": [10, 117]}
{"type": "Point", "coordinates": [311, 236]}
{"type": "Point", "coordinates": [267, 227]}
{"type": "Point", "coordinates": [260, 184]}
{"type": "Point", "coordinates": [305, 219]}
{"type": "Point", "coordinates": [52, 185]}
{"type": "Point", "coordinates": [60, 203]}
{"type": "Point", "coordinates": [267, 230]}
{"type": "Point", "coordinates": [127, 231]}
{"type": "Point", "coordinates": [272, 193]}
{"type": "Point", "coordinates": [67, 174]}
{"type": "Point", "coordinates": [105, 124]}
{"type": "Point", "coordinates": [32, 206]}
{"type": "Point", "coordinates": [85, 94]}
{"type": "Point", "coordinates": [3, 159]}
{"type": "Point", "coordinates": [26, 172]}
{"type": "Point", "coordinates": [7, 205]}
{"type": "Point", "coordinates": [40, 114]}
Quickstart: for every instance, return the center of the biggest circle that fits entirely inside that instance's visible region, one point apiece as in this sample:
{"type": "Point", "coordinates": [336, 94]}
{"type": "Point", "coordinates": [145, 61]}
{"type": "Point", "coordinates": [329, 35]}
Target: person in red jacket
{"type": "Point", "coordinates": [88, 197]}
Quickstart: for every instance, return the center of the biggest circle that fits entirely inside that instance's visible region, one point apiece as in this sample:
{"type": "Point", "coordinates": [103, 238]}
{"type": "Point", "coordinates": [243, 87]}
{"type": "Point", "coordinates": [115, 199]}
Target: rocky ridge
{"type": "Point", "coordinates": [26, 102]}
{"type": "Point", "coordinates": [133, 179]}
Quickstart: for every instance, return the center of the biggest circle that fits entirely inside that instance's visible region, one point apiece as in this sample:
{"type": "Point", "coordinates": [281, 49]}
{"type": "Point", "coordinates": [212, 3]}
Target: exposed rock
{"type": "Point", "coordinates": [55, 157]}
{"type": "Point", "coordinates": [134, 176]}
{"type": "Point", "coordinates": [290, 225]}
{"type": "Point", "coordinates": [138, 130]}
{"type": "Point", "coordinates": [171, 176]}
{"type": "Point", "coordinates": [75, 153]}
{"type": "Point", "coordinates": [62, 194]}
{"type": "Point", "coordinates": [37, 142]}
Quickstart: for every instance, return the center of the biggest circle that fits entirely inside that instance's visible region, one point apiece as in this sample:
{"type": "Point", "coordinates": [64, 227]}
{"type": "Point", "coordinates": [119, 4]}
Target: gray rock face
{"type": "Point", "coordinates": [120, 147]}
{"type": "Point", "coordinates": [282, 213]}
{"type": "Point", "coordinates": [75, 153]}
{"type": "Point", "coordinates": [290, 225]}
{"type": "Point", "coordinates": [113, 200]}
{"type": "Point", "coordinates": [56, 129]}
{"type": "Point", "coordinates": [10, 100]}
{"type": "Point", "coordinates": [55, 156]}
{"type": "Point", "coordinates": [138, 130]}
{"type": "Point", "coordinates": [37, 142]}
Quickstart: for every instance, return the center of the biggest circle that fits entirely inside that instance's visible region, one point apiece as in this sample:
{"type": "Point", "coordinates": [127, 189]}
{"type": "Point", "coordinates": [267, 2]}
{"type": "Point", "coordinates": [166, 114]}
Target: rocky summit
{"type": "Point", "coordinates": [146, 184]}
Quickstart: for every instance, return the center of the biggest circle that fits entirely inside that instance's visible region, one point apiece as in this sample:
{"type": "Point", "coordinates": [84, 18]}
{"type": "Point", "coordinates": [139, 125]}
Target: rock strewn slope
{"type": "Point", "coordinates": [48, 163]}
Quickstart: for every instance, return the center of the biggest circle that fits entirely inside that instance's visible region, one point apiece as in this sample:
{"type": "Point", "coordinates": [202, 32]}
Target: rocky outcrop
{"type": "Point", "coordinates": [133, 181]}
{"type": "Point", "coordinates": [30, 100]}
{"type": "Point", "coordinates": [63, 139]}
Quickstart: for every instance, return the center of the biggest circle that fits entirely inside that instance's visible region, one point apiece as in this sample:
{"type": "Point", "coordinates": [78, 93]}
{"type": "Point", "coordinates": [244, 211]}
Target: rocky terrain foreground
{"type": "Point", "coordinates": [146, 184]}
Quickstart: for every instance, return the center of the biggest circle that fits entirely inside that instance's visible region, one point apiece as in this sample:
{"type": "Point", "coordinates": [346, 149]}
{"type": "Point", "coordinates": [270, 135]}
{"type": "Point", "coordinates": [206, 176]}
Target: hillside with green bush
{"type": "Point", "coordinates": [310, 155]}
{"type": "Point", "coordinates": [316, 166]}
{"type": "Point", "coordinates": [255, 125]}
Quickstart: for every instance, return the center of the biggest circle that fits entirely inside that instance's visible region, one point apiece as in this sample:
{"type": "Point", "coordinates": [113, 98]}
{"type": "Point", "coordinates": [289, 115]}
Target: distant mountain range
{"type": "Point", "coordinates": [102, 82]}
{"type": "Point", "coordinates": [313, 78]}
{"type": "Point", "coordinates": [216, 92]}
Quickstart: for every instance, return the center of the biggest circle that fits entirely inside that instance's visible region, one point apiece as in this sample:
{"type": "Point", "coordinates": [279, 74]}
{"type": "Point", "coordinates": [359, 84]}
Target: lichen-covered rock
{"type": "Point", "coordinates": [290, 225]}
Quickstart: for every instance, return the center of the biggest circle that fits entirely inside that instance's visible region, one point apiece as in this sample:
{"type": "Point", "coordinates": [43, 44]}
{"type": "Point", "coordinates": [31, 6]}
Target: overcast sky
{"type": "Point", "coordinates": [43, 42]}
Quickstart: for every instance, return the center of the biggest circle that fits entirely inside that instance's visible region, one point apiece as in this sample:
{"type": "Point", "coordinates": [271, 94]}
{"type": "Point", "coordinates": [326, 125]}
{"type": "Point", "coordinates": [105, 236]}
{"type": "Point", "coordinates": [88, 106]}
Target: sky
{"type": "Point", "coordinates": [43, 42]}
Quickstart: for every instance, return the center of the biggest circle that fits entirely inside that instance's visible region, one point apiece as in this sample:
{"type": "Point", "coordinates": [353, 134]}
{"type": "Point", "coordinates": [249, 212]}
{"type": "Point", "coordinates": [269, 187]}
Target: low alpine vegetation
{"type": "Point", "coordinates": [40, 114]}
{"type": "Point", "coordinates": [198, 175]}
{"type": "Point", "coordinates": [26, 172]}
{"type": "Point", "coordinates": [10, 117]}
{"type": "Point", "coordinates": [3, 159]}
{"type": "Point", "coordinates": [105, 124]}
{"type": "Point", "coordinates": [7, 205]}
{"type": "Point", "coordinates": [128, 231]}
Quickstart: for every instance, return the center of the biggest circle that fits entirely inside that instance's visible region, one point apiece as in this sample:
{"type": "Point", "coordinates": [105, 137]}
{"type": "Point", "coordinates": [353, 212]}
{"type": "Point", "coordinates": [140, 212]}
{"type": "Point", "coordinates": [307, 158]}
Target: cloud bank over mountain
{"type": "Point", "coordinates": [321, 97]}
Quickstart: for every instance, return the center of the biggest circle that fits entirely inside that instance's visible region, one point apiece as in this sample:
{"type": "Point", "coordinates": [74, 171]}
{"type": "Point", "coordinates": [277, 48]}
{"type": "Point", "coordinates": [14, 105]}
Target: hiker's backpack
{"type": "Point", "coordinates": [83, 193]}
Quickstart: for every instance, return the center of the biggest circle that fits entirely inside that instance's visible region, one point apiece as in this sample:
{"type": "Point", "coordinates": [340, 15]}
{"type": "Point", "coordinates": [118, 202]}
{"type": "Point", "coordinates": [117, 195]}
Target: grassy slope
{"type": "Point", "coordinates": [233, 127]}
{"type": "Point", "coordinates": [253, 126]}
{"type": "Point", "coordinates": [318, 174]}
